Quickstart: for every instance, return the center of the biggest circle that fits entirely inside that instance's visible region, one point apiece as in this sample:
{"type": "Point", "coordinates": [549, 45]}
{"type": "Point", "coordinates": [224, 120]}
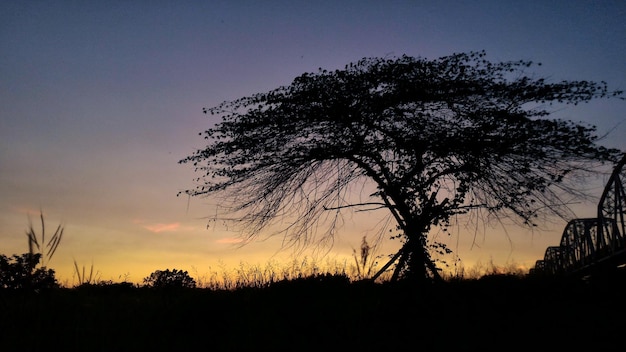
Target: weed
{"type": "Point", "coordinates": [46, 250]}
{"type": "Point", "coordinates": [84, 278]}
{"type": "Point", "coordinates": [366, 261]}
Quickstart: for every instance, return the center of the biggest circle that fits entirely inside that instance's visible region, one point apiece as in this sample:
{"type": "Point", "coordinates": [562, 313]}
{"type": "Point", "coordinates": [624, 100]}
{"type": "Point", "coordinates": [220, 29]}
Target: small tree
{"type": "Point", "coordinates": [21, 272]}
{"type": "Point", "coordinates": [29, 270]}
{"type": "Point", "coordinates": [434, 138]}
{"type": "Point", "coordinates": [170, 279]}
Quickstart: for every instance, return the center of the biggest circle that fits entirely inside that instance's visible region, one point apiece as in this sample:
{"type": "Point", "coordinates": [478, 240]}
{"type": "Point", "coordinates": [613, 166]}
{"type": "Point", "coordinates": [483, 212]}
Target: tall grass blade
{"type": "Point", "coordinates": [77, 271]}
{"type": "Point", "coordinates": [43, 229]}
{"type": "Point", "coordinates": [54, 242]}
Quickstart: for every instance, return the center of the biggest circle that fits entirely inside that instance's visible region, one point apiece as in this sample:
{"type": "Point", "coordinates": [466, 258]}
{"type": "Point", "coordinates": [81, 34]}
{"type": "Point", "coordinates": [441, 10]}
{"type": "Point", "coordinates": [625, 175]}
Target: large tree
{"type": "Point", "coordinates": [435, 138]}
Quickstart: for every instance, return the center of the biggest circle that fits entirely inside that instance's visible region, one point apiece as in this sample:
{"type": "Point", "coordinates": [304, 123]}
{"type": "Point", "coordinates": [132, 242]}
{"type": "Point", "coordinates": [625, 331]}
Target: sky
{"type": "Point", "coordinates": [99, 100]}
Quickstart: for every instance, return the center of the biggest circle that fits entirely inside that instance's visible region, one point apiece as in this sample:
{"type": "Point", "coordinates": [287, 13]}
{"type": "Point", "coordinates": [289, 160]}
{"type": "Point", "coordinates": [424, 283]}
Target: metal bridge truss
{"type": "Point", "coordinates": [594, 244]}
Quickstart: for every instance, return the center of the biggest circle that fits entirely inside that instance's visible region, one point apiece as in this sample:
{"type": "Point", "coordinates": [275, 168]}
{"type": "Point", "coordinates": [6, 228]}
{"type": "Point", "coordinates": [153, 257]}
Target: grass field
{"type": "Point", "coordinates": [327, 313]}
{"type": "Point", "coordinates": [302, 307]}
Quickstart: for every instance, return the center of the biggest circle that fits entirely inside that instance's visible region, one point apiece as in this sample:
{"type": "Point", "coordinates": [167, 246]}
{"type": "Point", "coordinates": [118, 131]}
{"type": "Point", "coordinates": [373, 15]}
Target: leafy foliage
{"type": "Point", "coordinates": [435, 138]}
{"type": "Point", "coordinates": [21, 272]}
{"type": "Point", "coordinates": [170, 279]}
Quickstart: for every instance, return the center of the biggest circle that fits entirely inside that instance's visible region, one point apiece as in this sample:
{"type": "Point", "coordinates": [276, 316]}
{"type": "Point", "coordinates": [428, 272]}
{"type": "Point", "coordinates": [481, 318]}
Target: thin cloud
{"type": "Point", "coordinates": [156, 228]}
{"type": "Point", "coordinates": [27, 210]}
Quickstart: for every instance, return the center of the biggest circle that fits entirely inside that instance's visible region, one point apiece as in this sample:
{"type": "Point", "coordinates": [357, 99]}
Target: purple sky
{"type": "Point", "coordinates": [99, 100]}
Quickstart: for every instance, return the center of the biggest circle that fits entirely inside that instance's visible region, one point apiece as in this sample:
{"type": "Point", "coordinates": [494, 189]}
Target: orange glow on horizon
{"type": "Point", "coordinates": [229, 240]}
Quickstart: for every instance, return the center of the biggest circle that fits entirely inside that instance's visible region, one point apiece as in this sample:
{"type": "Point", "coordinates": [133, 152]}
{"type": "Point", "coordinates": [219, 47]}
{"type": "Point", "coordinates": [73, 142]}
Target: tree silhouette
{"type": "Point", "coordinates": [435, 138]}
{"type": "Point", "coordinates": [21, 272]}
{"type": "Point", "coordinates": [170, 279]}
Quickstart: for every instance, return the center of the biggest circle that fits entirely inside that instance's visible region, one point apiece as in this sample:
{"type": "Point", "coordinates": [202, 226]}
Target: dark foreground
{"type": "Point", "coordinates": [496, 313]}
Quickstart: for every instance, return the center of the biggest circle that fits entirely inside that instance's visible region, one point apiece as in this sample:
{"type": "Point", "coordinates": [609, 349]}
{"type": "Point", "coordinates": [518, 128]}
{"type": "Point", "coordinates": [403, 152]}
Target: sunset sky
{"type": "Point", "coordinates": [99, 100]}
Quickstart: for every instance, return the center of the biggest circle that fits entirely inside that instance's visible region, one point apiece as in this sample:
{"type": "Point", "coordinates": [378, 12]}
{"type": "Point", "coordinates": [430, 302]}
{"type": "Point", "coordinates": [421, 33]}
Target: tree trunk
{"type": "Point", "coordinates": [416, 263]}
{"type": "Point", "coordinates": [420, 268]}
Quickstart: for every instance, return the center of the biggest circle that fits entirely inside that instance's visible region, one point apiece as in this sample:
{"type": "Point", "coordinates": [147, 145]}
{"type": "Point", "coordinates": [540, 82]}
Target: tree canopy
{"type": "Point", "coordinates": [170, 279]}
{"type": "Point", "coordinates": [436, 138]}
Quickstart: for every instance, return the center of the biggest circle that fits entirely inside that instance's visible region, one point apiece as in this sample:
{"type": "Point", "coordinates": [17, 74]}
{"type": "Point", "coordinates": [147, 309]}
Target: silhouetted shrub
{"type": "Point", "coordinates": [326, 280]}
{"type": "Point", "coordinates": [21, 272]}
{"type": "Point", "coordinates": [170, 279]}
{"type": "Point", "coordinates": [106, 286]}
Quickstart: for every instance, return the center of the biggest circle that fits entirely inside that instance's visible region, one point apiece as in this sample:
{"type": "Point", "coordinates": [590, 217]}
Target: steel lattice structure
{"type": "Point", "coordinates": [593, 244]}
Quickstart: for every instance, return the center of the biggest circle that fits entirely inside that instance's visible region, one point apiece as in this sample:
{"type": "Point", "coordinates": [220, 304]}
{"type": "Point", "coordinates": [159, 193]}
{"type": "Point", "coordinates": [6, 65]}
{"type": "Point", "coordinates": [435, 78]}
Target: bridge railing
{"type": "Point", "coordinates": [586, 242]}
{"type": "Point", "coordinates": [611, 208]}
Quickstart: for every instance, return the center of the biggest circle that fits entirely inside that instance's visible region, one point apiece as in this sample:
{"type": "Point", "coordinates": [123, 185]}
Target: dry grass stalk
{"type": "Point", "coordinates": [35, 246]}
{"type": "Point", "coordinates": [82, 277]}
